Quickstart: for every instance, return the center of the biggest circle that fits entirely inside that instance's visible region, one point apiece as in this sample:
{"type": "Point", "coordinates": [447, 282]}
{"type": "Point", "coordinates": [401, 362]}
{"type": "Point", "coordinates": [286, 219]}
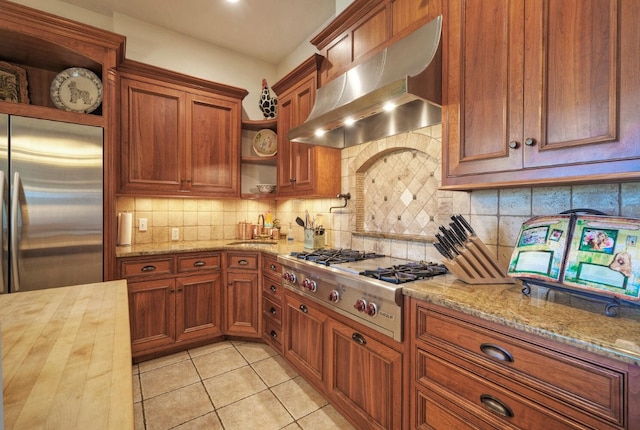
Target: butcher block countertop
{"type": "Point", "coordinates": [66, 358]}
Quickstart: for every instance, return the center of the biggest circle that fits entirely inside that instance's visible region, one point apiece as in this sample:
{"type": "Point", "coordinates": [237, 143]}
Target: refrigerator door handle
{"type": "Point", "coordinates": [15, 205]}
{"type": "Point", "coordinates": [3, 180]}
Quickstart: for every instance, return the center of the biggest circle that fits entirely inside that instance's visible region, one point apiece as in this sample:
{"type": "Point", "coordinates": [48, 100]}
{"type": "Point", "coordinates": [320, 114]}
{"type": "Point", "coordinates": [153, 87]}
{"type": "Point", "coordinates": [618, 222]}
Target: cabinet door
{"type": "Point", "coordinates": [198, 306]}
{"type": "Point", "coordinates": [483, 86]}
{"type": "Point", "coordinates": [365, 376]}
{"type": "Point", "coordinates": [213, 137]}
{"type": "Point", "coordinates": [304, 328]}
{"type": "Point", "coordinates": [243, 304]}
{"type": "Point", "coordinates": [294, 162]}
{"type": "Point", "coordinates": [153, 137]}
{"type": "Point", "coordinates": [570, 82]}
{"type": "Point", "coordinates": [152, 314]}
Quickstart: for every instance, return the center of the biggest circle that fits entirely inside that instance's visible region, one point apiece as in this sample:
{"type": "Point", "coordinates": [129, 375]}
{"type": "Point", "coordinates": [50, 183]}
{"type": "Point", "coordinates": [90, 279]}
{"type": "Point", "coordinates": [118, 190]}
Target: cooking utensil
{"type": "Point", "coordinates": [300, 222]}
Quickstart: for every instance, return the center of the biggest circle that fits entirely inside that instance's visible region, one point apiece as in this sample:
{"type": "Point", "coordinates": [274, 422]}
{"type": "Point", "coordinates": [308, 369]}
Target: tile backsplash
{"type": "Point", "coordinates": [406, 170]}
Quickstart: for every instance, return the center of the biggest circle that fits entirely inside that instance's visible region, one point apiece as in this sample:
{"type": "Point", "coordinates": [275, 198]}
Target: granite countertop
{"type": "Point", "coordinates": [66, 358]}
{"type": "Point", "coordinates": [565, 318]}
{"type": "Point", "coordinates": [269, 246]}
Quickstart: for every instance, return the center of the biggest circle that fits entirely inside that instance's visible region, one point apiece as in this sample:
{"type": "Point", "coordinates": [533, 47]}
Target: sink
{"type": "Point", "coordinates": [253, 242]}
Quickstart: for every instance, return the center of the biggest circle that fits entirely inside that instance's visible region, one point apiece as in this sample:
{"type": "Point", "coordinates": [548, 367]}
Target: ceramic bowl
{"type": "Point", "coordinates": [266, 188]}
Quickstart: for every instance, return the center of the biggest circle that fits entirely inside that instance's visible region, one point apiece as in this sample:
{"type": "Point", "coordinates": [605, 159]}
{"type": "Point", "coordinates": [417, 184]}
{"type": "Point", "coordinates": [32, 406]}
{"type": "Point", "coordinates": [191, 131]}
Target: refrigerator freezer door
{"type": "Point", "coordinates": [58, 227]}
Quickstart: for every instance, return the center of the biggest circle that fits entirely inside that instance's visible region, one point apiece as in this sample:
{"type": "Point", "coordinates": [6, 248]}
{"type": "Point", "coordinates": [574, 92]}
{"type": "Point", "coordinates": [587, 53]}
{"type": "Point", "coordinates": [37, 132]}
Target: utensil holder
{"type": "Point", "coordinates": [312, 240]}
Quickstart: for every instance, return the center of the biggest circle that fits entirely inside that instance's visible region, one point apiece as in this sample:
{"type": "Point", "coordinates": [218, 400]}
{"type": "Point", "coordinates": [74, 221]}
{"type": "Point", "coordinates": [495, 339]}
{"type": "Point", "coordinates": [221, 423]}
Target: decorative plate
{"type": "Point", "coordinates": [265, 143]}
{"type": "Point", "coordinates": [77, 90]}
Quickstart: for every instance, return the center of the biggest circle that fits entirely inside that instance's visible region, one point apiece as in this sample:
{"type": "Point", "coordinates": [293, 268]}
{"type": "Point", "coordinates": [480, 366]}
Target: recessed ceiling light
{"type": "Point", "coordinates": [349, 121]}
{"type": "Point", "coordinates": [388, 107]}
{"type": "Point", "coordinates": [233, 1]}
{"type": "Point", "coordinates": [319, 132]}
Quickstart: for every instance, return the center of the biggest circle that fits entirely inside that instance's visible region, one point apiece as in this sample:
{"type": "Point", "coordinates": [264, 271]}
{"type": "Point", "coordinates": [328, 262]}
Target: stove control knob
{"type": "Point", "coordinates": [334, 296]}
{"type": "Point", "coordinates": [289, 276]}
{"type": "Point", "coordinates": [310, 285]}
{"type": "Point", "coordinates": [361, 305]}
{"type": "Point", "coordinates": [371, 310]}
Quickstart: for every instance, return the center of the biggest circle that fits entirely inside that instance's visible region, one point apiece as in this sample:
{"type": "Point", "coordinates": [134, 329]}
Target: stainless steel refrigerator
{"type": "Point", "coordinates": [51, 191]}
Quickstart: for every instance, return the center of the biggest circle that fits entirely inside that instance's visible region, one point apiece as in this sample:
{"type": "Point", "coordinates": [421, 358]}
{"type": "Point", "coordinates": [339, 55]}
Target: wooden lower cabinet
{"type": "Point", "coordinates": [349, 363]}
{"type": "Point", "coordinates": [304, 339]}
{"type": "Point", "coordinates": [174, 301]}
{"type": "Point", "coordinates": [198, 306]}
{"type": "Point", "coordinates": [488, 376]}
{"type": "Point", "coordinates": [243, 296]}
{"type": "Point", "coordinates": [152, 314]}
{"type": "Point", "coordinates": [272, 301]}
{"type": "Point", "coordinates": [365, 376]}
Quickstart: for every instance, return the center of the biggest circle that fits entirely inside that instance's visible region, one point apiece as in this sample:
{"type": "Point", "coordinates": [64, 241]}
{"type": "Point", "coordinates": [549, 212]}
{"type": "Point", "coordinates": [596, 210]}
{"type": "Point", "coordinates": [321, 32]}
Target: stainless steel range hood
{"type": "Point", "coordinates": [407, 74]}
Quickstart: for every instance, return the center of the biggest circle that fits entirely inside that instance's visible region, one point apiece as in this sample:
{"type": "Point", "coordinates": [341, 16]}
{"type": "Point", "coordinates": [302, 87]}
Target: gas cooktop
{"type": "Point", "coordinates": [372, 265]}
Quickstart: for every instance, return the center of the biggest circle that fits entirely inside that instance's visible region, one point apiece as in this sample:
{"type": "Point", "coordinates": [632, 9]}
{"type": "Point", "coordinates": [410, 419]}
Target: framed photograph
{"type": "Point", "coordinates": [13, 83]}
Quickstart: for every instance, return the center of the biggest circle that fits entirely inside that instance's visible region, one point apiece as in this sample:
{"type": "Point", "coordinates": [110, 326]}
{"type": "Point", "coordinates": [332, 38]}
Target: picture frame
{"type": "Point", "coordinates": [13, 83]}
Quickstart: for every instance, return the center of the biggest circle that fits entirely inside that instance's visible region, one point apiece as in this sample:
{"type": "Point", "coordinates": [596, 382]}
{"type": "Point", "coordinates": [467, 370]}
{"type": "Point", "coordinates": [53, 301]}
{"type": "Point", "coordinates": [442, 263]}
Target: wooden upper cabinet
{"type": "Point", "coordinates": [542, 95]}
{"type": "Point", "coordinates": [179, 135]}
{"type": "Point", "coordinates": [303, 170]}
{"type": "Point", "coordinates": [367, 26]}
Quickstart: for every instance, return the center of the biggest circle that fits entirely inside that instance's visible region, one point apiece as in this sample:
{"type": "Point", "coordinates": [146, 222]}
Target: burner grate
{"type": "Point", "coordinates": [328, 257]}
{"type": "Point", "coordinates": [406, 272]}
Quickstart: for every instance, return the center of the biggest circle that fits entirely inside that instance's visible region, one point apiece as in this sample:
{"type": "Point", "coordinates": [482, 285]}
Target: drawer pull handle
{"type": "Point", "coordinates": [149, 268]}
{"type": "Point", "coordinates": [304, 309]}
{"type": "Point", "coordinates": [199, 263]}
{"type": "Point", "coordinates": [496, 406]}
{"type": "Point", "coordinates": [496, 352]}
{"type": "Point", "coordinates": [243, 262]}
{"type": "Point", "coordinates": [272, 310]}
{"type": "Point", "coordinates": [359, 338]}
{"type": "Point", "coordinates": [273, 288]}
{"type": "Point", "coordinates": [273, 334]}
{"type": "Point", "coordinates": [274, 267]}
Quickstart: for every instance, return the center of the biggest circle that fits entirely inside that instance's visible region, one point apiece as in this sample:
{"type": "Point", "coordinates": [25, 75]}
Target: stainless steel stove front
{"type": "Point", "coordinates": [375, 304]}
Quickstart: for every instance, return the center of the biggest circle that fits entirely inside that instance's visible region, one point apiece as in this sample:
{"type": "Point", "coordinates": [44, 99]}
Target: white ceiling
{"type": "Point", "coordinates": [268, 30]}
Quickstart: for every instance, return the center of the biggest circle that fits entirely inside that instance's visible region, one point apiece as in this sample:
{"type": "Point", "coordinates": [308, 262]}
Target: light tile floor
{"type": "Point", "coordinates": [228, 385]}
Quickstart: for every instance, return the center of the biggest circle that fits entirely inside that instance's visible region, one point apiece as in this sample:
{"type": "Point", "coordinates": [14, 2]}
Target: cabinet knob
{"type": "Point", "coordinates": [273, 288]}
{"type": "Point", "coordinates": [529, 141]}
{"type": "Point", "coordinates": [513, 144]}
{"type": "Point", "coordinates": [273, 334]}
{"type": "Point", "coordinates": [304, 309]}
{"type": "Point", "coordinates": [273, 267]}
{"type": "Point", "coordinates": [272, 310]}
{"type": "Point", "coordinates": [292, 180]}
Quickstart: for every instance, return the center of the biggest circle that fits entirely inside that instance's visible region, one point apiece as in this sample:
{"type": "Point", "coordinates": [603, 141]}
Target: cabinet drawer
{"type": "Point", "coordinates": [272, 288]}
{"type": "Point", "coordinates": [194, 263]}
{"type": "Point", "coordinates": [272, 310]}
{"type": "Point", "coordinates": [242, 261]}
{"type": "Point", "coordinates": [271, 266]}
{"type": "Point", "coordinates": [151, 267]}
{"type": "Point", "coordinates": [582, 384]}
{"type": "Point", "coordinates": [443, 375]}
{"type": "Point", "coordinates": [273, 334]}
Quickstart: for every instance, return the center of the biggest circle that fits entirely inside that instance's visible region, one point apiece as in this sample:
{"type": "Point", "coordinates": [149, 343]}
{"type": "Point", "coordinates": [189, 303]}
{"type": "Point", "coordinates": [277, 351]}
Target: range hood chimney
{"type": "Point", "coordinates": [407, 74]}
